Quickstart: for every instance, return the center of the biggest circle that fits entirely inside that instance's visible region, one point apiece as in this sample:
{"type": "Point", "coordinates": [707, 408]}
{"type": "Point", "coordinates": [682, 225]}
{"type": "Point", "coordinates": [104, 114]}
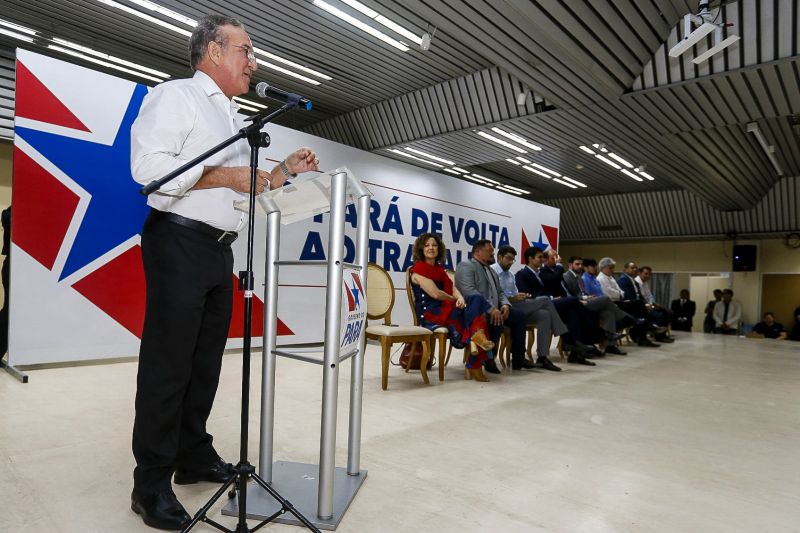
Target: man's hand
{"type": "Point", "coordinates": [505, 310]}
{"type": "Point", "coordinates": [496, 317]}
{"type": "Point", "coordinates": [301, 160]}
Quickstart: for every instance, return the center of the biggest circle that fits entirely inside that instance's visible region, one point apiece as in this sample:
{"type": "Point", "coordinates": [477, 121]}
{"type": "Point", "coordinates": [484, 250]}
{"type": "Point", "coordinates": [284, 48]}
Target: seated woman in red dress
{"type": "Point", "coordinates": [438, 303]}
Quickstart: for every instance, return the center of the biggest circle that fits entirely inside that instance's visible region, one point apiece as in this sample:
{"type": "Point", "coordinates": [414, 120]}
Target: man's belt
{"type": "Point", "coordinates": [221, 236]}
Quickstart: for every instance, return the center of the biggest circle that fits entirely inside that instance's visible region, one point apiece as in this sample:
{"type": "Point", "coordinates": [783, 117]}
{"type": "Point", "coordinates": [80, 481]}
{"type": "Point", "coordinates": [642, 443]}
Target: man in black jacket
{"type": "Point", "coordinates": [683, 310]}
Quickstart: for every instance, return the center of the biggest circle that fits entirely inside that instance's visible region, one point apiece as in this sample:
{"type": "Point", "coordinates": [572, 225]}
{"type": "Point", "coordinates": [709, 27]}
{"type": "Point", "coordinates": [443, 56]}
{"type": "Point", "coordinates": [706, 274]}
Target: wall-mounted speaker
{"type": "Point", "coordinates": [744, 257]}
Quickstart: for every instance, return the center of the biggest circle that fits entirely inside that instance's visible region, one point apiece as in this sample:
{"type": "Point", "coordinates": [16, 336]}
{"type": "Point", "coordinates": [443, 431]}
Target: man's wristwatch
{"type": "Point", "coordinates": [285, 170]}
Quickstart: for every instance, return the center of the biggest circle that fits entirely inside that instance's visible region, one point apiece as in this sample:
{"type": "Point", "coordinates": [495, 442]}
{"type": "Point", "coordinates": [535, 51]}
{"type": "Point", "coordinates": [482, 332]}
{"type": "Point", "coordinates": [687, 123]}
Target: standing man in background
{"type": "Point", "coordinates": [683, 310]}
{"type": "Point", "coordinates": [188, 262]}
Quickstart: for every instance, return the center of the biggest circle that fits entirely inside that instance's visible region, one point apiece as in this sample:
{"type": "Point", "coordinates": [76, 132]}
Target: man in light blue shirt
{"type": "Point", "coordinates": [537, 310]}
{"type": "Point", "coordinates": [590, 284]}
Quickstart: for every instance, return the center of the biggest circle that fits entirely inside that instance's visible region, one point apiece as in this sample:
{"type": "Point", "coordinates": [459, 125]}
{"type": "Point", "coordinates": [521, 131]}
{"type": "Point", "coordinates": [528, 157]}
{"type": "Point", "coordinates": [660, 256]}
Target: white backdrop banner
{"type": "Point", "coordinates": [77, 274]}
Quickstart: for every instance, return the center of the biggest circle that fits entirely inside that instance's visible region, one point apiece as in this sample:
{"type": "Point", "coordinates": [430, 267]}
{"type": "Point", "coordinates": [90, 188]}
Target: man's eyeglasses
{"type": "Point", "coordinates": [251, 56]}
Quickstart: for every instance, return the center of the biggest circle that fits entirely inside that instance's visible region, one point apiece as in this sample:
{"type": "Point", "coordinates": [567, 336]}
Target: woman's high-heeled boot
{"type": "Point", "coordinates": [477, 374]}
{"type": "Point", "coordinates": [479, 338]}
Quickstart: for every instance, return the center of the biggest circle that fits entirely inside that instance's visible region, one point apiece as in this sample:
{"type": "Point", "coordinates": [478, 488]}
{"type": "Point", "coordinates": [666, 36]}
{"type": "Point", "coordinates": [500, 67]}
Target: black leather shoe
{"type": "Point", "coordinates": [547, 364]}
{"type": "Point", "coordinates": [161, 511]}
{"type": "Point", "coordinates": [524, 365]}
{"type": "Point", "coordinates": [665, 338]}
{"type": "Point", "coordinates": [580, 360]}
{"type": "Point", "coordinates": [647, 343]}
{"type": "Point", "coordinates": [217, 472]}
{"type": "Point", "coordinates": [658, 330]}
{"type": "Point", "coordinates": [614, 350]}
{"type": "Point", "coordinates": [491, 367]}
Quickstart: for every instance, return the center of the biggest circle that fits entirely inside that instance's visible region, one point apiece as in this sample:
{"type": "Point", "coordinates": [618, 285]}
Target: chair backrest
{"type": "Point", "coordinates": [410, 294]}
{"type": "Point", "coordinates": [380, 294]}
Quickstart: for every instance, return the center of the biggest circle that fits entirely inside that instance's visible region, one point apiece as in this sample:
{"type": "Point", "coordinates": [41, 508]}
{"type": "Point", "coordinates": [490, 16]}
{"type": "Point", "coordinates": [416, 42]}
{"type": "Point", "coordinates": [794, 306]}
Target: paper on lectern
{"type": "Point", "coordinates": [302, 197]}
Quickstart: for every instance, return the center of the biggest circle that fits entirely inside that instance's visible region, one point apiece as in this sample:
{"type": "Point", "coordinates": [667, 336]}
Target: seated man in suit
{"type": "Point", "coordinates": [475, 276]}
{"type": "Point", "coordinates": [658, 314]}
{"type": "Point", "coordinates": [602, 305]}
{"type": "Point", "coordinates": [589, 277]}
{"type": "Point", "coordinates": [569, 308]}
{"type": "Point", "coordinates": [770, 329]}
{"type": "Point", "coordinates": [539, 310]}
{"type": "Point", "coordinates": [633, 307]}
{"type": "Point", "coordinates": [683, 310]}
{"type": "Point", "coordinates": [727, 314]}
{"type": "Point", "coordinates": [633, 292]}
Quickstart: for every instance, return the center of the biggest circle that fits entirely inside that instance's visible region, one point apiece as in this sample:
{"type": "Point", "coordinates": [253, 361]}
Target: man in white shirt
{"type": "Point", "coordinates": [188, 262]}
{"type": "Point", "coordinates": [727, 314]}
{"type": "Point", "coordinates": [634, 308]}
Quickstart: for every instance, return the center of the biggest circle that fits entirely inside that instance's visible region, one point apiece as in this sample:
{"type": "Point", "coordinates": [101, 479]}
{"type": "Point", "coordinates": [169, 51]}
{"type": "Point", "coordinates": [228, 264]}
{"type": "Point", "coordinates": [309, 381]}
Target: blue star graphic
{"type": "Point", "coordinates": [540, 244]}
{"type": "Point", "coordinates": [355, 292]}
{"type": "Point", "coordinates": [116, 210]}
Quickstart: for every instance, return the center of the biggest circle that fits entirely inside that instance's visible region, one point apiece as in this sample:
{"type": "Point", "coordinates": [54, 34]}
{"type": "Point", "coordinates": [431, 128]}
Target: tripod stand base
{"type": "Point", "coordinates": [298, 483]}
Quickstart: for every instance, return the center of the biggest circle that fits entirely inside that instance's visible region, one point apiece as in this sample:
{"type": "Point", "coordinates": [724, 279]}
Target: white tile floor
{"type": "Point", "coordinates": [698, 436]}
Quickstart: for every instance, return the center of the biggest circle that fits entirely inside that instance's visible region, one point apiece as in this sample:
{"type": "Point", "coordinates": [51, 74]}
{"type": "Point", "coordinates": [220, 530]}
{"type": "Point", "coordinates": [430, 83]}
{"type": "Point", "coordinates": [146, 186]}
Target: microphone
{"type": "Point", "coordinates": [265, 90]}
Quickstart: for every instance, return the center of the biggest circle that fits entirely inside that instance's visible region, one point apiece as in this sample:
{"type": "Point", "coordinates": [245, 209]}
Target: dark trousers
{"type": "Point", "coordinates": [516, 322]}
{"type": "Point", "coordinates": [637, 309]}
{"type": "Point", "coordinates": [189, 299]}
{"type": "Point", "coordinates": [4, 311]}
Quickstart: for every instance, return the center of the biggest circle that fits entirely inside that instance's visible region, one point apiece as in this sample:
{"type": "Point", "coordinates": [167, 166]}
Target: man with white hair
{"type": "Point", "coordinates": [634, 308]}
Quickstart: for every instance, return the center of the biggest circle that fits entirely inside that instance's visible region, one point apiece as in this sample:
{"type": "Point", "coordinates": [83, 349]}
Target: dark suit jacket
{"type": "Point", "coordinates": [687, 311]}
{"type": "Point", "coordinates": [571, 282]}
{"type": "Point", "coordinates": [527, 282]}
{"type": "Point", "coordinates": [552, 278]}
{"type": "Point", "coordinates": [626, 284]}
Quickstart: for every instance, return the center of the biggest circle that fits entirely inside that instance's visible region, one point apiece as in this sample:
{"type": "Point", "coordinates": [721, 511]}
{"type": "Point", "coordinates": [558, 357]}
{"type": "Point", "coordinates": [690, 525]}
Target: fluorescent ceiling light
{"type": "Point", "coordinates": [523, 160]}
{"type": "Point", "coordinates": [103, 55]}
{"type": "Point", "coordinates": [500, 141]}
{"type": "Point", "coordinates": [298, 66]}
{"type": "Point", "coordinates": [571, 186]}
{"type": "Point", "coordinates": [587, 150]}
{"type": "Point", "coordinates": [576, 182]}
{"type": "Point", "coordinates": [430, 156]}
{"type": "Point", "coordinates": [360, 25]}
{"type": "Point", "coordinates": [146, 17]}
{"type": "Point", "coordinates": [249, 102]}
{"type": "Point", "coordinates": [17, 27]}
{"type": "Point", "coordinates": [608, 161]}
{"type": "Point", "coordinates": [248, 108]}
{"type": "Point", "coordinates": [478, 180]}
{"type": "Point", "coordinates": [618, 158]}
{"type": "Point", "coordinates": [104, 63]}
{"type": "Point", "coordinates": [15, 35]}
{"type": "Point", "coordinates": [451, 171]}
{"type": "Point", "coordinates": [406, 154]}
{"type": "Point", "coordinates": [509, 191]}
{"type": "Point", "coordinates": [540, 167]}
{"type": "Point", "coordinates": [459, 169]}
{"type": "Point", "coordinates": [513, 162]}
{"type": "Point", "coordinates": [371, 13]}
{"type": "Point", "coordinates": [531, 169]}
{"type": "Point", "coordinates": [769, 150]}
{"type": "Point", "coordinates": [286, 71]}
{"type": "Point", "coordinates": [166, 12]}
{"type": "Point", "coordinates": [719, 47]}
{"type": "Point", "coordinates": [601, 147]}
{"type": "Point", "coordinates": [521, 191]}
{"type": "Point", "coordinates": [484, 178]}
{"type": "Point", "coordinates": [691, 39]}
{"type": "Point", "coordinates": [631, 174]}
{"type": "Point", "coordinates": [517, 139]}
{"type": "Point", "coordinates": [646, 175]}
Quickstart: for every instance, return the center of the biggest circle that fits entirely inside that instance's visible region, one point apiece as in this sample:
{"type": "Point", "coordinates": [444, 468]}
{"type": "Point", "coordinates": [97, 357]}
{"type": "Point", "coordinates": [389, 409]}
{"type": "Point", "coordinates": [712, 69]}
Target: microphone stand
{"type": "Point", "coordinates": [243, 471]}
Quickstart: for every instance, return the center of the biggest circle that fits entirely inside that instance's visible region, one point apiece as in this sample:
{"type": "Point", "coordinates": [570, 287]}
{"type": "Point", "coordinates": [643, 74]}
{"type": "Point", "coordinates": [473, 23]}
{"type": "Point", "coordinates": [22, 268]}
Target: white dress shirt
{"type": "Point", "coordinates": [610, 287]}
{"type": "Point", "coordinates": [644, 290]}
{"type": "Point", "coordinates": [734, 314]}
{"type": "Point", "coordinates": [179, 120]}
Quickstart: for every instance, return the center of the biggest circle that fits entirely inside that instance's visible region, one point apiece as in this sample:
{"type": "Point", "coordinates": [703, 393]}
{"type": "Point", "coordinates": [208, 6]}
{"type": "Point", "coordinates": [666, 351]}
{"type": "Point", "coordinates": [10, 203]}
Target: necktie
{"type": "Point", "coordinates": [580, 283]}
{"type": "Point", "coordinates": [725, 314]}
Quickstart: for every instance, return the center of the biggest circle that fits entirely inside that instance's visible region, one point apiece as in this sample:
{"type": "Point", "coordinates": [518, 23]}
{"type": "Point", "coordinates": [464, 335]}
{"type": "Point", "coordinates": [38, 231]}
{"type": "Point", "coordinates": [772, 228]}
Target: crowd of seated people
{"type": "Point", "coordinates": [583, 303]}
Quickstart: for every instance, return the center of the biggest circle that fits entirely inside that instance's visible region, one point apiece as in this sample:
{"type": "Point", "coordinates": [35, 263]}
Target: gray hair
{"type": "Point", "coordinates": [207, 31]}
{"type": "Point", "coordinates": [604, 262]}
